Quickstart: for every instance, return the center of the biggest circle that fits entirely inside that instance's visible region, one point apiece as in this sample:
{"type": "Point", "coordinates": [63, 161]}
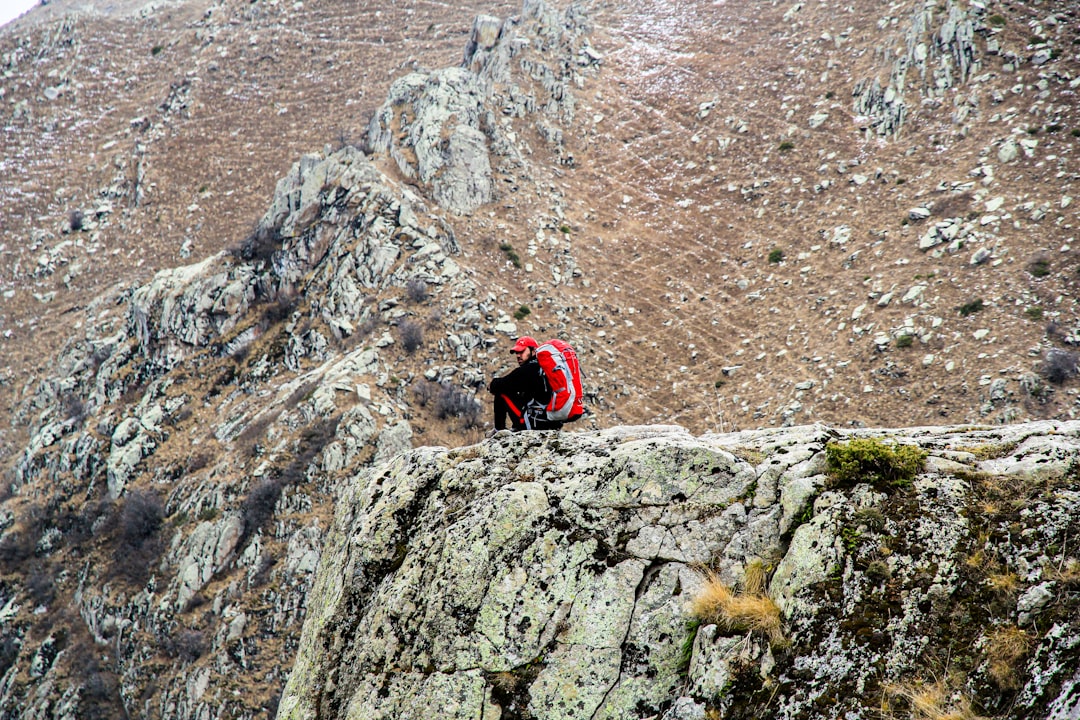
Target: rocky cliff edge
{"type": "Point", "coordinates": [560, 576]}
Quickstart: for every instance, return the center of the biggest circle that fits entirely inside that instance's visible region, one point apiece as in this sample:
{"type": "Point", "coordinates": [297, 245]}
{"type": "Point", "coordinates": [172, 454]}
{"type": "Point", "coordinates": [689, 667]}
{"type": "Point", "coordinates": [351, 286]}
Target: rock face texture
{"type": "Point", "coordinates": [551, 575]}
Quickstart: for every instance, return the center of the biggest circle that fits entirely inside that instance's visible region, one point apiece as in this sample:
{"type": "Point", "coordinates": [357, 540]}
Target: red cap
{"type": "Point", "coordinates": [524, 342]}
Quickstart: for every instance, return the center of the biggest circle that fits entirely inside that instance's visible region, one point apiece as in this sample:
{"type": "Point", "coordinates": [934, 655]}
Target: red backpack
{"type": "Point", "coordinates": [560, 365]}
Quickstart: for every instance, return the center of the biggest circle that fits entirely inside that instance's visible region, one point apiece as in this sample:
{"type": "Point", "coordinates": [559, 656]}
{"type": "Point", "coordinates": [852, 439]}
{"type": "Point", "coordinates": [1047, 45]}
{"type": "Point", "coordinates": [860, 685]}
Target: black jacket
{"type": "Point", "coordinates": [522, 384]}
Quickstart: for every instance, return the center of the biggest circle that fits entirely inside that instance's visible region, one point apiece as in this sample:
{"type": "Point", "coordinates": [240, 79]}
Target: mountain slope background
{"type": "Point", "coordinates": [854, 214]}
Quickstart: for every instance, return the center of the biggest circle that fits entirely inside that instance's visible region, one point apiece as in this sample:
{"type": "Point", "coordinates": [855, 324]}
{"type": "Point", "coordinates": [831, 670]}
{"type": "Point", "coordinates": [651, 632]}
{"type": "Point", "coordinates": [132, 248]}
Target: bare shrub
{"type": "Point", "coordinates": [258, 506]}
{"type": "Point", "coordinates": [141, 518]}
{"type": "Point", "coordinates": [40, 585]}
{"type": "Point", "coordinates": [425, 391]}
{"type": "Point", "coordinates": [457, 403]}
{"type": "Point", "coordinates": [1059, 365]}
{"type": "Point", "coordinates": [416, 289]}
{"type": "Point", "coordinates": [100, 696]}
{"type": "Point", "coordinates": [188, 646]}
{"type": "Point", "coordinates": [139, 543]}
{"type": "Point", "coordinates": [259, 246]}
{"type": "Point", "coordinates": [412, 335]}
{"type": "Point", "coordinates": [9, 653]}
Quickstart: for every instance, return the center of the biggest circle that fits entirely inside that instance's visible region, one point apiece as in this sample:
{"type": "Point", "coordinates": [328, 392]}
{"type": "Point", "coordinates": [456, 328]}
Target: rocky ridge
{"type": "Point", "coordinates": [551, 576]}
{"type": "Point", "coordinates": [186, 450]}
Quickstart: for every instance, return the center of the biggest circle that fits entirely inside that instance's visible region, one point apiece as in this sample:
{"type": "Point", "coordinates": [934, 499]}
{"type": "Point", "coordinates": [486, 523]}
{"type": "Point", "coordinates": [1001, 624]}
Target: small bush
{"type": "Point", "coordinates": [776, 255]}
{"type": "Point", "coordinates": [830, 95]}
{"type": "Point", "coordinates": [425, 391]}
{"type": "Point", "coordinates": [522, 312]}
{"type": "Point", "coordinates": [156, 50]}
{"type": "Point", "coordinates": [511, 254]}
{"type": "Point", "coordinates": [1034, 313]}
{"type": "Point", "coordinates": [140, 518]}
{"type": "Point", "coordinates": [1053, 128]}
{"type": "Point", "coordinates": [996, 20]}
{"type": "Point", "coordinates": [259, 246]}
{"type": "Point", "coordinates": [412, 336]}
{"type": "Point", "coordinates": [258, 506]}
{"type": "Point", "coordinates": [1075, 132]}
{"type": "Point", "coordinates": [905, 341]}
{"type": "Point", "coordinates": [1059, 365]}
{"type": "Point", "coordinates": [786, 146]}
{"type": "Point", "coordinates": [416, 289]}
{"type": "Point", "coordinates": [1039, 267]}
{"type": "Point", "coordinates": [970, 308]}
{"type": "Point", "coordinates": [872, 461]}
{"type": "Point", "coordinates": [188, 646]}
{"type": "Point", "coordinates": [457, 403]}
{"type": "Point", "coordinates": [139, 543]}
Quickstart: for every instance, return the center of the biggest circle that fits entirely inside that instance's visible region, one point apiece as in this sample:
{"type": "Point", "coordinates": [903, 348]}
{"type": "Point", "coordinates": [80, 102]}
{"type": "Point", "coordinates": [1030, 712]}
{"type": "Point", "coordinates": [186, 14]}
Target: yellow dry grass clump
{"type": "Point", "coordinates": [751, 609]}
{"type": "Point", "coordinates": [927, 701]}
{"type": "Point", "coordinates": [1005, 649]}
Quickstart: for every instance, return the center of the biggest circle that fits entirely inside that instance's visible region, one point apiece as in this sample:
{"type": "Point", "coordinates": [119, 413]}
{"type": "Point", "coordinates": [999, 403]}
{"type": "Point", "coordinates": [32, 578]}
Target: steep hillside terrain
{"type": "Point", "coordinates": [251, 248]}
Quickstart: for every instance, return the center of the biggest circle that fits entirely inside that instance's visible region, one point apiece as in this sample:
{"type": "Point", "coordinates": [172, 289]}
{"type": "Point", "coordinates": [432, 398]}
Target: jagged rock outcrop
{"type": "Point", "coordinates": [939, 53]}
{"type": "Point", "coordinates": [443, 127]}
{"type": "Point", "coordinates": [549, 575]}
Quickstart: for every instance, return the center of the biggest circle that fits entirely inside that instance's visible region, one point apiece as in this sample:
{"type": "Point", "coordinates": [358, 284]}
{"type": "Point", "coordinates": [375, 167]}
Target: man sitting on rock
{"type": "Point", "coordinates": [523, 393]}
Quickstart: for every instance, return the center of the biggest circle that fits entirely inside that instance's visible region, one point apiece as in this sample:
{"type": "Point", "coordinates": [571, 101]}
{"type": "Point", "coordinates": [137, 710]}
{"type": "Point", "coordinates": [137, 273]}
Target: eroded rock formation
{"type": "Point", "coordinates": [550, 575]}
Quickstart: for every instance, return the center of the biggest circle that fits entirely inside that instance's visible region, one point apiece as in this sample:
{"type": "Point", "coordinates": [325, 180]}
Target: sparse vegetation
{"type": "Point", "coordinates": [1005, 649]}
{"type": "Point", "coordinates": [872, 461]}
{"type": "Point", "coordinates": [996, 20]}
{"type": "Point", "coordinates": [522, 312]}
{"type": "Point", "coordinates": [156, 50]}
{"type": "Point", "coordinates": [905, 341]}
{"type": "Point", "coordinates": [1059, 365]}
{"type": "Point", "coordinates": [970, 308]}
{"type": "Point", "coordinates": [511, 254]}
{"type": "Point", "coordinates": [786, 146]}
{"type": "Point", "coordinates": [1039, 267]}
{"type": "Point", "coordinates": [454, 402]}
{"type": "Point", "coordinates": [416, 289]}
{"type": "Point", "coordinates": [927, 701]}
{"type": "Point", "coordinates": [411, 335]}
{"type": "Point", "coordinates": [776, 255]}
{"type": "Point", "coordinates": [750, 610]}
{"type": "Point", "coordinates": [1034, 313]}
{"type": "Point", "coordinates": [139, 543]}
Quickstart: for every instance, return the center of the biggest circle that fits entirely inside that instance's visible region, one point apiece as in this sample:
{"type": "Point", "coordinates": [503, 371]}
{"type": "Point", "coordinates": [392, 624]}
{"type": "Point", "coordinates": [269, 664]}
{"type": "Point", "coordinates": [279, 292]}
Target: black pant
{"type": "Point", "coordinates": [521, 416]}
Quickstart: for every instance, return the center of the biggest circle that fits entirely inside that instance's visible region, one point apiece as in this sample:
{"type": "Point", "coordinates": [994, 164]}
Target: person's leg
{"type": "Point", "coordinates": [505, 406]}
{"type": "Point", "coordinates": [499, 408]}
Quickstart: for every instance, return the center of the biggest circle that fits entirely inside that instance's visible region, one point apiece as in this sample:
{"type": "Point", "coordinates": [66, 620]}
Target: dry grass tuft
{"type": "Point", "coordinates": [927, 701]}
{"type": "Point", "coordinates": [751, 610]}
{"type": "Point", "coordinates": [1006, 583]}
{"type": "Point", "coordinates": [1005, 648]}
